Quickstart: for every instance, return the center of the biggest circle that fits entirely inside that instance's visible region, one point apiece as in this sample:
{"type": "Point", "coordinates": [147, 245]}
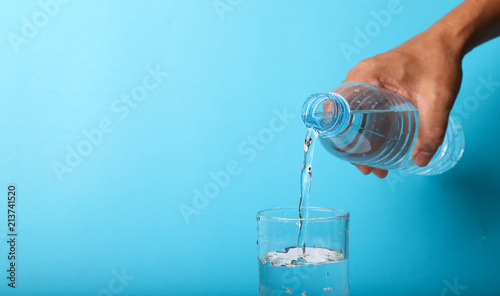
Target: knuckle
{"type": "Point", "coordinates": [366, 63]}
{"type": "Point", "coordinates": [363, 71]}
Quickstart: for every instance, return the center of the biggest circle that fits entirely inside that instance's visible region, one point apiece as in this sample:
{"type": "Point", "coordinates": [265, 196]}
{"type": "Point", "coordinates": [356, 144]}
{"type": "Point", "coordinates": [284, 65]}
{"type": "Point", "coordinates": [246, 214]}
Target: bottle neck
{"type": "Point", "coordinates": [326, 113]}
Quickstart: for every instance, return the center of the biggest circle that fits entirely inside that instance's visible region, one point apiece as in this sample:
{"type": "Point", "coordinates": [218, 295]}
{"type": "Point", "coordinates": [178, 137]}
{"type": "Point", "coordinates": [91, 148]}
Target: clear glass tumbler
{"type": "Point", "coordinates": [319, 268]}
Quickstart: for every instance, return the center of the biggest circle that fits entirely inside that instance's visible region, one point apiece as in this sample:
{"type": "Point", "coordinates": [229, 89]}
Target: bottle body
{"type": "Point", "coordinates": [373, 126]}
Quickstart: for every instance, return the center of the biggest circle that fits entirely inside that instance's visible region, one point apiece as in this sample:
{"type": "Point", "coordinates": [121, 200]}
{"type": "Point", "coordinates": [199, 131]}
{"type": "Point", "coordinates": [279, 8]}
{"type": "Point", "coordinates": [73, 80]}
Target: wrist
{"type": "Point", "coordinates": [453, 38]}
{"type": "Point", "coordinates": [468, 25]}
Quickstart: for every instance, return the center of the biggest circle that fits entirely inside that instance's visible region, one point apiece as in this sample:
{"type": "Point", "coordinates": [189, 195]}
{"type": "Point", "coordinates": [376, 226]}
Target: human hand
{"type": "Point", "coordinates": [427, 71]}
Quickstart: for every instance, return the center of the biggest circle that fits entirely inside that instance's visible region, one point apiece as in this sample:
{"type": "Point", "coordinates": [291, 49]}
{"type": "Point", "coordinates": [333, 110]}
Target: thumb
{"type": "Point", "coordinates": [433, 122]}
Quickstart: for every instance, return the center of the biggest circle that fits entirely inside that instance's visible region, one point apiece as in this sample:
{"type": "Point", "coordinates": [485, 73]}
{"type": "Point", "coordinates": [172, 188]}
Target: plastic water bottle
{"type": "Point", "coordinates": [373, 126]}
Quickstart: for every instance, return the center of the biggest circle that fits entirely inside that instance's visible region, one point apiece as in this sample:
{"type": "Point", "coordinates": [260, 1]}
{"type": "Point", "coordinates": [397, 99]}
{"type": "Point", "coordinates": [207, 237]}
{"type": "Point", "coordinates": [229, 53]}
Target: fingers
{"type": "Point", "coordinates": [363, 168]}
{"type": "Point", "coordinates": [365, 71]}
{"type": "Point", "coordinates": [433, 122]}
{"type": "Point", "coordinates": [380, 173]}
{"type": "Point", "coordinates": [366, 170]}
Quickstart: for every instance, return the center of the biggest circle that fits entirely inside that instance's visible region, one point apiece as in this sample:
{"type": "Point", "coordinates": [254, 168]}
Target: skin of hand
{"type": "Point", "coordinates": [427, 69]}
{"type": "Point", "coordinates": [429, 75]}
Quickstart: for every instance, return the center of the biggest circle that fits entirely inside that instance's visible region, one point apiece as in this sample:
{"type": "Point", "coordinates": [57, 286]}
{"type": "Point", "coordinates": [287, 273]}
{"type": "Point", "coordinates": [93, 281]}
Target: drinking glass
{"type": "Point", "coordinates": [319, 267]}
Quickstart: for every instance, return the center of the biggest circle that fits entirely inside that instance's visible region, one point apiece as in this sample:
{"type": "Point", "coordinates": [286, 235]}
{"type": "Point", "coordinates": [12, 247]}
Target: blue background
{"type": "Point", "coordinates": [231, 66]}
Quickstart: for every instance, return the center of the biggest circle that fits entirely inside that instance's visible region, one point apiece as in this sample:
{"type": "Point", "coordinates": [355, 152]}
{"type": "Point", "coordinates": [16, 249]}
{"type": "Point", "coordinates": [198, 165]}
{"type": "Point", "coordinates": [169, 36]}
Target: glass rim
{"type": "Point", "coordinates": [346, 214]}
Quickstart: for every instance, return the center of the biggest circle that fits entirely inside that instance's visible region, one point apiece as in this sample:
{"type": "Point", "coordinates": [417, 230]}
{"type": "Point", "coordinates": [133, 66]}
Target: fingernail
{"type": "Point", "coordinates": [422, 158]}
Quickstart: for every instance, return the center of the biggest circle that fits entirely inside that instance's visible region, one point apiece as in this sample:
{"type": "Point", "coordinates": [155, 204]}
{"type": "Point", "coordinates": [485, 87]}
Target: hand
{"type": "Point", "coordinates": [427, 71]}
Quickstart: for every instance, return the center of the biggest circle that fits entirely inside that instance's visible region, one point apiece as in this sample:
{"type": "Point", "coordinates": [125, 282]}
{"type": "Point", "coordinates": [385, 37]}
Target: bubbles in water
{"type": "Point", "coordinates": [294, 256]}
{"type": "Point", "coordinates": [298, 261]}
{"type": "Point", "coordinates": [294, 276]}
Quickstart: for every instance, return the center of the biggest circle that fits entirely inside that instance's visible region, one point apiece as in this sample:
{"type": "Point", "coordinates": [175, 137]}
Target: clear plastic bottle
{"type": "Point", "coordinates": [373, 126]}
